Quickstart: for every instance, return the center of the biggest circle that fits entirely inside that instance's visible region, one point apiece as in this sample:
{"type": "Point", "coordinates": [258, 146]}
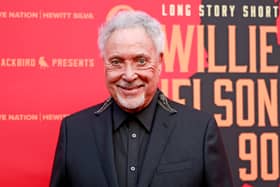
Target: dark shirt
{"type": "Point", "coordinates": [131, 134]}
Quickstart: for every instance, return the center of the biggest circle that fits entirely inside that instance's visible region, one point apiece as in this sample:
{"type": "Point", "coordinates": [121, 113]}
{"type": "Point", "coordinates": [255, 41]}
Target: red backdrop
{"type": "Point", "coordinates": [50, 67]}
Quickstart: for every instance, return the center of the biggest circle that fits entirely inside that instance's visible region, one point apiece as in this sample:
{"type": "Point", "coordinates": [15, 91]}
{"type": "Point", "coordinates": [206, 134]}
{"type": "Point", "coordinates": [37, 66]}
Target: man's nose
{"type": "Point", "coordinates": [129, 73]}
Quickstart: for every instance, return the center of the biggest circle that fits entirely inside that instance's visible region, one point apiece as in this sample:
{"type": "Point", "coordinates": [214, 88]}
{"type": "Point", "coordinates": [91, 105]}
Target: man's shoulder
{"type": "Point", "coordinates": [187, 111]}
{"type": "Point", "coordinates": [85, 113]}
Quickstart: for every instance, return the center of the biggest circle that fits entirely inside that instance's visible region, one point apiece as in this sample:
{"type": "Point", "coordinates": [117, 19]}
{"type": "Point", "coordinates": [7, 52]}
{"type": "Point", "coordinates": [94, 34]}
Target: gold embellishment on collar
{"type": "Point", "coordinates": [163, 102]}
{"type": "Point", "coordinates": [105, 105]}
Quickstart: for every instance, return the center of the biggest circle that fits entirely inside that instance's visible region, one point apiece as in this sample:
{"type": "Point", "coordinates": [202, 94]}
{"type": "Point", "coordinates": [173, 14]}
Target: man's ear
{"type": "Point", "coordinates": [161, 57]}
{"type": "Point", "coordinates": [103, 60]}
{"type": "Point", "coordinates": [161, 61]}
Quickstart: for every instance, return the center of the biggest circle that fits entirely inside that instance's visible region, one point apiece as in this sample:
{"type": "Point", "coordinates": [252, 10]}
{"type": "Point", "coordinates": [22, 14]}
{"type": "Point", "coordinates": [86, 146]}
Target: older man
{"type": "Point", "coordinates": [138, 137]}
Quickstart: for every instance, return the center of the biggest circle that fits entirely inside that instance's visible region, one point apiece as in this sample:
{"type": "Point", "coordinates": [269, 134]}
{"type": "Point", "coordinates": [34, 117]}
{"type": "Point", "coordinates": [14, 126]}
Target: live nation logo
{"type": "Point", "coordinates": [44, 63]}
{"type": "Point", "coordinates": [14, 117]}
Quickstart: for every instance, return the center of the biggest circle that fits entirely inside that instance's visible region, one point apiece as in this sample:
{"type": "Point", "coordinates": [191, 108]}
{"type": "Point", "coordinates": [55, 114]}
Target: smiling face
{"type": "Point", "coordinates": [132, 67]}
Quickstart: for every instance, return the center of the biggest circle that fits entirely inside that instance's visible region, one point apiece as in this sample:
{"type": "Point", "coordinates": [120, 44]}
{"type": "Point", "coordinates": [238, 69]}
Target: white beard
{"type": "Point", "coordinates": [131, 102]}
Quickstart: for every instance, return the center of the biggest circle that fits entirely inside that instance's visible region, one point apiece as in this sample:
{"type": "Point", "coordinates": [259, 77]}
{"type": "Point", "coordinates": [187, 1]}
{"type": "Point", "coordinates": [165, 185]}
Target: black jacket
{"type": "Point", "coordinates": [185, 149]}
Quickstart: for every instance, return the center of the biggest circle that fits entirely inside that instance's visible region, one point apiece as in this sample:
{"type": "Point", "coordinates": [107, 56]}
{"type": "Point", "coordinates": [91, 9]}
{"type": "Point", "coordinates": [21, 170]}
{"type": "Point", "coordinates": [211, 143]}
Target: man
{"type": "Point", "coordinates": [138, 137]}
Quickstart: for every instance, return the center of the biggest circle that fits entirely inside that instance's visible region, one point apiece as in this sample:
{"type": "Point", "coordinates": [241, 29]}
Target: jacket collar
{"type": "Point", "coordinates": [162, 101]}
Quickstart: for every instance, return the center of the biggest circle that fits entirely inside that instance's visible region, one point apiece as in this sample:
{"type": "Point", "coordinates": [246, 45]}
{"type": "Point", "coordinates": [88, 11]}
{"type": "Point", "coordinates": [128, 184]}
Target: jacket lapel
{"type": "Point", "coordinates": [102, 130]}
{"type": "Point", "coordinates": [163, 126]}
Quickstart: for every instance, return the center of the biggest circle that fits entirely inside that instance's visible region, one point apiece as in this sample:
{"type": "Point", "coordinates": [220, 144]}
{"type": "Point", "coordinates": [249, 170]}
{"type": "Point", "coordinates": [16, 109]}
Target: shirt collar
{"type": "Point", "coordinates": [145, 117]}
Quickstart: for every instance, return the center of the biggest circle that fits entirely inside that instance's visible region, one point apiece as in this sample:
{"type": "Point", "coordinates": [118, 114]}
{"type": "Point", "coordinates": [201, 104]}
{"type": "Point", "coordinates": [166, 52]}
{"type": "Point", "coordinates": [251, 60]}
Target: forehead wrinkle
{"type": "Point", "coordinates": [129, 52]}
{"type": "Point", "coordinates": [122, 43]}
{"type": "Point", "coordinates": [124, 34]}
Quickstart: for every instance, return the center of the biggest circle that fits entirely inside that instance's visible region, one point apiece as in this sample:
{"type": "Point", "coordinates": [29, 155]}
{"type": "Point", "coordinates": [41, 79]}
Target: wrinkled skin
{"type": "Point", "coordinates": [132, 68]}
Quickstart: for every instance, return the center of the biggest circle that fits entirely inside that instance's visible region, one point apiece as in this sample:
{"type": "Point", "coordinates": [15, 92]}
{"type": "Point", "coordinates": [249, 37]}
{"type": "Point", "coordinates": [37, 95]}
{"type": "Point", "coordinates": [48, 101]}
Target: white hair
{"type": "Point", "coordinates": [131, 19]}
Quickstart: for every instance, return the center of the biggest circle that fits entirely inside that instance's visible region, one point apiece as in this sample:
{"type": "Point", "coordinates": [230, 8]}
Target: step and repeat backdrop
{"type": "Point", "coordinates": [221, 56]}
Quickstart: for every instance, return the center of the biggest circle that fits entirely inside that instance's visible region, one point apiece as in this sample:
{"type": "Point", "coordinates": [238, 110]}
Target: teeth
{"type": "Point", "coordinates": [130, 88]}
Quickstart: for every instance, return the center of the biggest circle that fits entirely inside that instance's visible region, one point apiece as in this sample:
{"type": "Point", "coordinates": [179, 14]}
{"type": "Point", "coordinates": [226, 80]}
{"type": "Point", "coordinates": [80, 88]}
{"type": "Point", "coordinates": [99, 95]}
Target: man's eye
{"type": "Point", "coordinates": [115, 62]}
{"type": "Point", "coordinates": [141, 61]}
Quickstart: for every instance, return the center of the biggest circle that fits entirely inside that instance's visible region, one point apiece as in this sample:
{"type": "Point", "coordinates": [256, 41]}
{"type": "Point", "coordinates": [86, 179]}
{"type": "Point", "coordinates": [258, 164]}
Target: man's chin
{"type": "Point", "coordinates": [131, 102]}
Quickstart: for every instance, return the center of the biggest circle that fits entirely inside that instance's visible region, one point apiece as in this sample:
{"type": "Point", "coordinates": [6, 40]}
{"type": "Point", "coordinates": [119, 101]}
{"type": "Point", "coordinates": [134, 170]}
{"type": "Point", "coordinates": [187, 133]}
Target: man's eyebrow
{"type": "Point", "coordinates": [141, 55]}
{"type": "Point", "coordinates": [115, 57]}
